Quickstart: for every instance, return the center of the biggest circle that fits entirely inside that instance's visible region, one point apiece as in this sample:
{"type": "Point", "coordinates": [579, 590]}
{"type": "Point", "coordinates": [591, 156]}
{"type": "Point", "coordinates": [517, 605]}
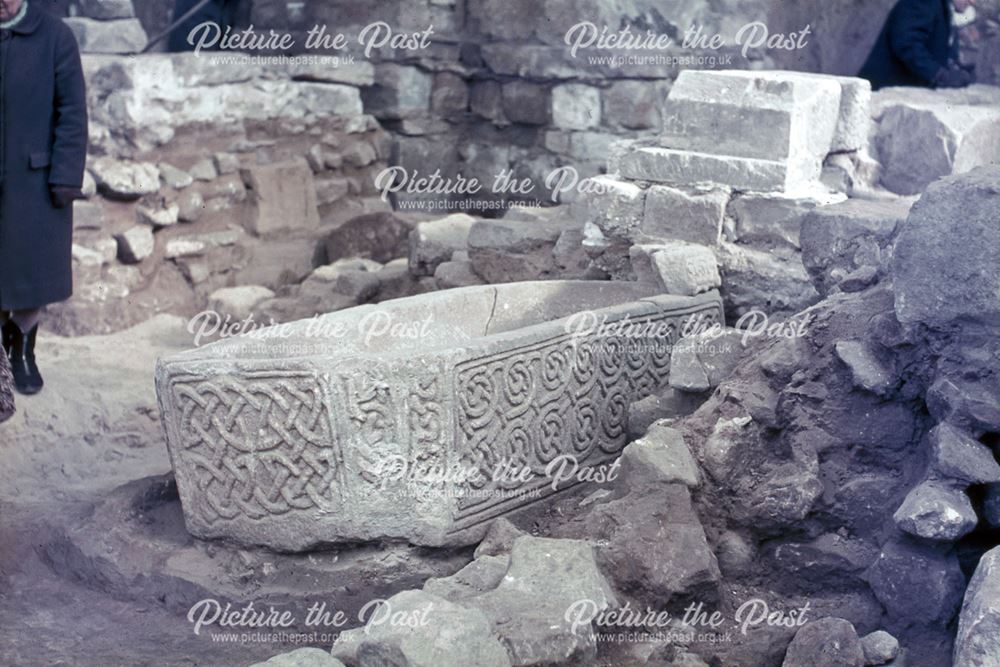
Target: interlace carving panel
{"type": "Point", "coordinates": [565, 396]}
{"type": "Point", "coordinates": [258, 443]}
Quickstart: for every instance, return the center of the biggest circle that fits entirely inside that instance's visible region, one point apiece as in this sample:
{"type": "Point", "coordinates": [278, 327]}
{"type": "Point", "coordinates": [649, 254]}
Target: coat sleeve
{"type": "Point", "coordinates": [69, 146]}
{"type": "Point", "coordinates": [910, 29]}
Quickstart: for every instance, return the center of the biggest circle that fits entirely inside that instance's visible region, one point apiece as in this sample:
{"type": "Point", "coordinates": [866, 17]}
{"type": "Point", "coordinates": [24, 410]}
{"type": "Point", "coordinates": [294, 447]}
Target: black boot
{"type": "Point", "coordinates": [27, 379]}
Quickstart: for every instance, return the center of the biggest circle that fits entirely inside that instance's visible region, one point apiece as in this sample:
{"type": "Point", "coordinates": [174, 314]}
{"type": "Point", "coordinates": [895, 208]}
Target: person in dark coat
{"type": "Point", "coordinates": [43, 149]}
{"type": "Point", "coordinates": [918, 46]}
{"type": "Point", "coordinates": [221, 12]}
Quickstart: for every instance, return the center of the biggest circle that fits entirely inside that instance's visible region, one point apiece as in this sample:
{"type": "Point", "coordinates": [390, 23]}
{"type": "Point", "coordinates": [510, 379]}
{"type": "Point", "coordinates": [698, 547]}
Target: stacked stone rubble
{"type": "Point", "coordinates": [740, 158]}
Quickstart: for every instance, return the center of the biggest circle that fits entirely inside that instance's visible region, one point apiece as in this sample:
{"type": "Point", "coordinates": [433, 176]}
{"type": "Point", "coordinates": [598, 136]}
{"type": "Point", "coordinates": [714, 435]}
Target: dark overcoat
{"type": "Point", "coordinates": [915, 42]}
{"type": "Point", "coordinates": [43, 114]}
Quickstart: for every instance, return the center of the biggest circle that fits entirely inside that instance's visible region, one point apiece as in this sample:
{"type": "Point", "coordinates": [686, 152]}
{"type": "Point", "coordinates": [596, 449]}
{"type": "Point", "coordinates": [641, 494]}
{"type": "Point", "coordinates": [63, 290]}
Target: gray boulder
{"type": "Point", "coordinates": [978, 641]}
{"type": "Point", "coordinates": [828, 642]}
{"type": "Point", "coordinates": [959, 457]}
{"type": "Point", "coordinates": [880, 647]}
{"type": "Point", "coordinates": [947, 251]}
{"type": "Point", "coordinates": [434, 242]}
{"type": "Point", "coordinates": [916, 582]}
{"type": "Point", "coordinates": [435, 633]}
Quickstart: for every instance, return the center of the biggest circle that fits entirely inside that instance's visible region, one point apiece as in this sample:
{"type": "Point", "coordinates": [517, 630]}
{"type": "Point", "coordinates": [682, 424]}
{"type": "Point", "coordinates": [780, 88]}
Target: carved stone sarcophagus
{"type": "Point", "coordinates": [417, 419]}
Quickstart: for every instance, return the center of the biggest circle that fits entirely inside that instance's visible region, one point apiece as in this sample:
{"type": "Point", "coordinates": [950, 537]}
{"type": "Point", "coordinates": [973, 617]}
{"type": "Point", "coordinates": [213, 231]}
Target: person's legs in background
{"type": "Point", "coordinates": [20, 329]}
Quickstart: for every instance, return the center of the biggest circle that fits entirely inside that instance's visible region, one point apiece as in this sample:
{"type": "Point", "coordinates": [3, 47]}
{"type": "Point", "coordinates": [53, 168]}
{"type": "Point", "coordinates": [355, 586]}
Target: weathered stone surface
{"type": "Point", "coordinates": [576, 106]}
{"type": "Point", "coordinates": [855, 117]}
{"type": "Point", "coordinates": [922, 138]}
{"type": "Point", "coordinates": [135, 244]}
{"type": "Point", "coordinates": [116, 36]}
{"type": "Point", "coordinates": [238, 302]}
{"type": "Point", "coordinates": [765, 220]}
{"type": "Point", "coordinates": [879, 647]}
{"type": "Point", "coordinates": [664, 404]}
{"type": "Point", "coordinates": [936, 512]}
{"type": "Point", "coordinates": [840, 239]}
{"type": "Point", "coordinates": [938, 260]}
{"type": "Point", "coordinates": [161, 217]}
{"type": "Point", "coordinates": [125, 180]}
{"type": "Point", "coordinates": [105, 10]}
{"type": "Point", "coordinates": [379, 236]}
{"type": "Point", "coordinates": [614, 206]}
{"type": "Point", "coordinates": [773, 281]}
{"type": "Point", "coordinates": [175, 178]}
{"type": "Point", "coordinates": [956, 456]}
{"type": "Point", "coordinates": [434, 242]}
{"type": "Point", "coordinates": [400, 353]}
{"type": "Point", "coordinates": [400, 91]}
{"type": "Point", "coordinates": [634, 105]}
{"type": "Point", "coordinates": [676, 268]}
{"type": "Point", "coordinates": [831, 642]}
{"type": "Point", "coordinates": [449, 93]}
{"type": "Point", "coordinates": [481, 575]}
{"type": "Point", "coordinates": [978, 640]}
{"type": "Point", "coordinates": [303, 657]}
{"type": "Point", "coordinates": [769, 116]}
{"type": "Point", "coordinates": [442, 634]}
{"type": "Point", "coordinates": [683, 215]}
{"type": "Point", "coordinates": [511, 249]}
{"type": "Point", "coordinates": [684, 168]}
{"type": "Point", "coordinates": [702, 361]}
{"type": "Point", "coordinates": [449, 275]}
{"type": "Point", "coordinates": [499, 539]}
{"type": "Point", "coordinates": [869, 372]}
{"type": "Point", "coordinates": [965, 402]}
{"type": "Point", "coordinates": [529, 607]}
{"type": "Point", "coordinates": [916, 582]}
{"type": "Point", "coordinates": [282, 197]}
{"type": "Point", "coordinates": [527, 103]}
{"type": "Point", "coordinates": [662, 455]}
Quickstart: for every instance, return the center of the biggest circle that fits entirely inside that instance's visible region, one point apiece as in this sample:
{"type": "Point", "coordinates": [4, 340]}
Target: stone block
{"type": "Point", "coordinates": [400, 91]}
{"type": "Point", "coordinates": [917, 582]}
{"type": "Point", "coordinates": [941, 256]}
{"type": "Point", "coordinates": [282, 198]}
{"type": "Point", "coordinates": [510, 250]}
{"type": "Point", "coordinates": [774, 116]}
{"type": "Point", "coordinates": [958, 457]}
{"type": "Point", "coordinates": [632, 105]}
{"type": "Point", "coordinates": [125, 180]}
{"type": "Point", "coordinates": [238, 302]}
{"type": "Point", "coordinates": [828, 641]}
{"type": "Point", "coordinates": [662, 455]}
{"type": "Point", "coordinates": [576, 106]}
{"type": "Point", "coordinates": [434, 242]}
{"type": "Point", "coordinates": [345, 430]}
{"type": "Point", "coordinates": [937, 512]}
{"type": "Point", "coordinates": [672, 214]}
{"type": "Point", "coordinates": [676, 268]}
{"type": "Point", "coordinates": [121, 36]}
{"type": "Point", "coordinates": [978, 639]}
{"type": "Point", "coordinates": [525, 102]}
{"type": "Point", "coordinates": [135, 244]}
{"type": "Point", "coordinates": [763, 220]}
{"type": "Point", "coordinates": [616, 207]}
{"type": "Point", "coordinates": [685, 168]}
{"type": "Point", "coordinates": [106, 10]}
{"type": "Point", "coordinates": [449, 94]}
{"type": "Point", "coordinates": [379, 236]}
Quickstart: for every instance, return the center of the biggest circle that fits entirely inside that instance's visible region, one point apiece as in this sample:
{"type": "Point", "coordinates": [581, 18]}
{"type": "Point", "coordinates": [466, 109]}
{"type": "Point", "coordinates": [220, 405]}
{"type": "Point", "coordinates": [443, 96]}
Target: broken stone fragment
{"type": "Point", "coordinates": [936, 512]}
{"type": "Point", "coordinates": [429, 632]}
{"type": "Point", "coordinates": [676, 268]}
{"type": "Point", "coordinates": [481, 575]}
{"type": "Point", "coordinates": [917, 582]}
{"type": "Point", "coordinates": [831, 642]}
{"type": "Point", "coordinates": [125, 180]}
{"type": "Point", "coordinates": [238, 302]}
{"type": "Point", "coordinates": [157, 218]}
{"type": "Point", "coordinates": [684, 215]}
{"type": "Point", "coordinates": [700, 362]}
{"type": "Point", "coordinates": [449, 275]}
{"type": "Point", "coordinates": [978, 640]}
{"type": "Point", "coordinates": [668, 403]}
{"type": "Point", "coordinates": [175, 178]}
{"type": "Point", "coordinates": [434, 242]}
{"type": "Point", "coordinates": [867, 370]}
{"type": "Point", "coordinates": [959, 457]}
{"type": "Point", "coordinates": [662, 456]}
{"type": "Point", "coordinates": [282, 197]}
{"type": "Point", "coordinates": [499, 539]}
{"type": "Point", "coordinates": [616, 207]}
{"type": "Point", "coordinates": [303, 657]}
{"type": "Point", "coordinates": [135, 244]}
{"type": "Point", "coordinates": [880, 647]}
